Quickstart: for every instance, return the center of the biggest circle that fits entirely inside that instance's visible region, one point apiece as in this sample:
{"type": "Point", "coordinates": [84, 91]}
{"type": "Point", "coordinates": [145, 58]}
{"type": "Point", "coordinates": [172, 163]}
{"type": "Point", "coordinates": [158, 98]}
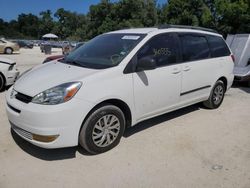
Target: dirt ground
{"type": "Point", "coordinates": [192, 148]}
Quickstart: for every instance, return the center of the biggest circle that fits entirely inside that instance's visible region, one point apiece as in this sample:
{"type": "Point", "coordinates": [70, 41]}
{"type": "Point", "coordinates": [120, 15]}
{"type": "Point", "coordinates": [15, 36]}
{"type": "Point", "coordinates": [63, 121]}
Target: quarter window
{"type": "Point", "coordinates": [162, 48]}
{"type": "Point", "coordinates": [218, 46]}
{"type": "Point", "coordinates": [194, 48]}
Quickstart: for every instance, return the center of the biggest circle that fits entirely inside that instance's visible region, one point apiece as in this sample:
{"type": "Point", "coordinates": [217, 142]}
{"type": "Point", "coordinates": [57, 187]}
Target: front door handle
{"type": "Point", "coordinates": [186, 68]}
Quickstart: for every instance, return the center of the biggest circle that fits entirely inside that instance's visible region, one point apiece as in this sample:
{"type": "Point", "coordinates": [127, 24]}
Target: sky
{"type": "Point", "coordinates": [10, 9]}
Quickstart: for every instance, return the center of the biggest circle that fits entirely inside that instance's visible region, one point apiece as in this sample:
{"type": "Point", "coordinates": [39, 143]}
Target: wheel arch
{"type": "Point", "coordinates": [118, 103]}
{"type": "Point", "coordinates": [224, 80]}
{"type": "Point", "coordinates": [9, 48]}
{"type": "Point", "coordinates": [4, 79]}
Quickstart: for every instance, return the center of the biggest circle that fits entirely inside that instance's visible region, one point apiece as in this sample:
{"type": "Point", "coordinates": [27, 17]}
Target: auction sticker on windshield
{"type": "Point", "coordinates": [131, 37]}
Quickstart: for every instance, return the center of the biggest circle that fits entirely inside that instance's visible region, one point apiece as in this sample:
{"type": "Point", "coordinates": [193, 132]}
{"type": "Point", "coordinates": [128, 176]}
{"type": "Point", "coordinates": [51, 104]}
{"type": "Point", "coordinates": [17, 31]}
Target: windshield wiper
{"type": "Point", "coordinates": [61, 60]}
{"type": "Point", "coordinates": [71, 62]}
{"type": "Point", "coordinates": [84, 64]}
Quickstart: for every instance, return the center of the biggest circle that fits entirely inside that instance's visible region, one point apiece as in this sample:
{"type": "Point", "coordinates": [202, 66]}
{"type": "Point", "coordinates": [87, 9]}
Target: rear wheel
{"type": "Point", "coordinates": [2, 82]}
{"type": "Point", "coordinates": [8, 50]}
{"type": "Point", "coordinates": [216, 96]}
{"type": "Point", "coordinates": [103, 129]}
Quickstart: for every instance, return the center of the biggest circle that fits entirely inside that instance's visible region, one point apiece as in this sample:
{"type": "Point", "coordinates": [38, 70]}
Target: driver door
{"type": "Point", "coordinates": [157, 91]}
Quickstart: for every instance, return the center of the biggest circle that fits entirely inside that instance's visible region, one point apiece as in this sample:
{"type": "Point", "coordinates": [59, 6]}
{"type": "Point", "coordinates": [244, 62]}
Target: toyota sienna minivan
{"type": "Point", "coordinates": [116, 80]}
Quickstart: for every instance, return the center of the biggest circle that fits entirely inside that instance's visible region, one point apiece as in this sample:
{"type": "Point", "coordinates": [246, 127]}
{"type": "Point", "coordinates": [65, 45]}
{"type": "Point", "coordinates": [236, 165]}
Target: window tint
{"type": "Point", "coordinates": [104, 51]}
{"type": "Point", "coordinates": [218, 46]}
{"type": "Point", "coordinates": [194, 47]}
{"type": "Point", "coordinates": [163, 49]}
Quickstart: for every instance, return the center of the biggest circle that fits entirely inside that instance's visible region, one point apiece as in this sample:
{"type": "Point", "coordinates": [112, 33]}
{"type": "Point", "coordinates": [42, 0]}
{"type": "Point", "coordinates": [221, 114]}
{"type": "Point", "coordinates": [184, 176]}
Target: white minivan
{"type": "Point", "coordinates": [116, 80]}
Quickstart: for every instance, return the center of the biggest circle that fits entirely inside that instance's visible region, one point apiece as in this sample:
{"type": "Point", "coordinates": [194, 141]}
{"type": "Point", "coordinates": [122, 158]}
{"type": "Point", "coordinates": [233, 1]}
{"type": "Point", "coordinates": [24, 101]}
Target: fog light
{"type": "Point", "coordinates": [42, 138]}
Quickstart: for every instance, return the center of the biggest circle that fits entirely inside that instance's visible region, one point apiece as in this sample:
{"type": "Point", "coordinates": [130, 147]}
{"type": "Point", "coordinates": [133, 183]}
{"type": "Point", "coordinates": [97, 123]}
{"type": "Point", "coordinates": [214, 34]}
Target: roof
{"type": "Point", "coordinates": [136, 30]}
{"type": "Point", "coordinates": [166, 29]}
{"type": "Point", "coordinates": [167, 26]}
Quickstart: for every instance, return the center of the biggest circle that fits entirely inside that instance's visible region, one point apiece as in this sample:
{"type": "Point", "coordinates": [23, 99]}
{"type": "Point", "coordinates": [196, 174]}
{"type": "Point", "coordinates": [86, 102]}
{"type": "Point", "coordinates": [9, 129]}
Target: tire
{"type": "Point", "coordinates": [2, 82]}
{"type": "Point", "coordinates": [216, 96]}
{"type": "Point", "coordinates": [94, 136]}
{"type": "Point", "coordinates": [8, 50]}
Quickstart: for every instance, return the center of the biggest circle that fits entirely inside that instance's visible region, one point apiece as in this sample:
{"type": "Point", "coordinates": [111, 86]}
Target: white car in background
{"type": "Point", "coordinates": [8, 47]}
{"type": "Point", "coordinates": [117, 80]}
{"type": "Point", "coordinates": [240, 46]}
{"type": "Point", "coordinates": [8, 72]}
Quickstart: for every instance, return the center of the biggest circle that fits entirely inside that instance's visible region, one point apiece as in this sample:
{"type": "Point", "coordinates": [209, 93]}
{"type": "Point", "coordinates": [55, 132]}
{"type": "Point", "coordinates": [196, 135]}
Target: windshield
{"type": "Point", "coordinates": [104, 51]}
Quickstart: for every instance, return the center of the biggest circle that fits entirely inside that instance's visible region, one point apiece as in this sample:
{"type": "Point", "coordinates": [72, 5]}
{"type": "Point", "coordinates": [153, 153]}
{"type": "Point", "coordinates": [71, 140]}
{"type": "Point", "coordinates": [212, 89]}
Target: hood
{"type": "Point", "coordinates": [50, 75]}
{"type": "Point", "coordinates": [6, 61]}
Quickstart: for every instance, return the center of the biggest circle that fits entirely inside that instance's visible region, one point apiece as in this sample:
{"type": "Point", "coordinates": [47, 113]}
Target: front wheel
{"type": "Point", "coordinates": [8, 50]}
{"type": "Point", "coordinates": [2, 83]}
{"type": "Point", "coordinates": [216, 96]}
{"type": "Point", "coordinates": [103, 129]}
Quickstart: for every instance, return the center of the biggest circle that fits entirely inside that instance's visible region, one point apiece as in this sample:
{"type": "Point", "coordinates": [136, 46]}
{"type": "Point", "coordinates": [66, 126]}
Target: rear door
{"type": "Point", "coordinates": [197, 68]}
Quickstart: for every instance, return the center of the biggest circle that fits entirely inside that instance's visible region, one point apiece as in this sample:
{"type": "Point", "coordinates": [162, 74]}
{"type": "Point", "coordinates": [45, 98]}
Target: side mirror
{"type": "Point", "coordinates": [146, 63]}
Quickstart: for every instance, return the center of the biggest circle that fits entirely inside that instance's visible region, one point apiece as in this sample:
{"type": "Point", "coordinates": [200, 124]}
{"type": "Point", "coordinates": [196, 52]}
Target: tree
{"type": "Point", "coordinates": [184, 12]}
{"type": "Point", "coordinates": [68, 23]}
{"type": "Point", "coordinates": [28, 25]}
{"type": "Point", "coordinates": [232, 16]}
{"type": "Point", "coordinates": [46, 22]}
{"type": "Point", "coordinates": [226, 16]}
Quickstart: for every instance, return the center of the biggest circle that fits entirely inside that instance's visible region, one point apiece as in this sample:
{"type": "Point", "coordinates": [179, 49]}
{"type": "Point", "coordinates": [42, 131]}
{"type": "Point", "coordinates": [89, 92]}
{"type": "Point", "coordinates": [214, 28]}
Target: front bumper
{"type": "Point", "coordinates": [63, 120]}
{"type": "Point", "coordinates": [11, 77]}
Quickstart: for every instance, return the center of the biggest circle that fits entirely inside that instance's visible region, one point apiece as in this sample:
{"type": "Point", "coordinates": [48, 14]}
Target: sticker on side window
{"type": "Point", "coordinates": [130, 37]}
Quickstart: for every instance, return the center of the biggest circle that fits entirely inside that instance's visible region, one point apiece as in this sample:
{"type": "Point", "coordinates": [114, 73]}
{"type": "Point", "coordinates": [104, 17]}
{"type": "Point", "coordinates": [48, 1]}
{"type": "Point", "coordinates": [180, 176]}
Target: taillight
{"type": "Point", "coordinates": [233, 58]}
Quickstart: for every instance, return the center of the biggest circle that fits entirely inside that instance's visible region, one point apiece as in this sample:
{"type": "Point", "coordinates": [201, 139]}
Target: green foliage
{"type": "Point", "coordinates": [46, 22]}
{"type": "Point", "coordinates": [226, 16]}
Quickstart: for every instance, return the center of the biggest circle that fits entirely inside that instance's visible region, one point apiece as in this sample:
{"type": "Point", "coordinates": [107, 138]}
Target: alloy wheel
{"type": "Point", "coordinates": [218, 94]}
{"type": "Point", "coordinates": [9, 51]}
{"type": "Point", "coordinates": [106, 130]}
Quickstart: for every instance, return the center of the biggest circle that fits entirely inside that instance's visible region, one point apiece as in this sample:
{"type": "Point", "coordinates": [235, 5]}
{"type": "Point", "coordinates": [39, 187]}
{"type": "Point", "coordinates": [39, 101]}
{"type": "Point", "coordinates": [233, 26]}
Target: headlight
{"type": "Point", "coordinates": [11, 67]}
{"type": "Point", "coordinates": [58, 94]}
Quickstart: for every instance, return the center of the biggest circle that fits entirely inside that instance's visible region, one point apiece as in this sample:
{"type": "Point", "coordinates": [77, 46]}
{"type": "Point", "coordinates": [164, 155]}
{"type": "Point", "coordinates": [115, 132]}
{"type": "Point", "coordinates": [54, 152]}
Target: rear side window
{"type": "Point", "coordinates": [194, 47]}
{"type": "Point", "coordinates": [218, 46]}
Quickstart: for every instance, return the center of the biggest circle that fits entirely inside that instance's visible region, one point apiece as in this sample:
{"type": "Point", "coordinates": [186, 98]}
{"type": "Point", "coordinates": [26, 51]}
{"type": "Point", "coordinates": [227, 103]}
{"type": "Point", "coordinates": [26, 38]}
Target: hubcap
{"type": "Point", "coordinates": [8, 51]}
{"type": "Point", "coordinates": [106, 130]}
{"type": "Point", "coordinates": [218, 94]}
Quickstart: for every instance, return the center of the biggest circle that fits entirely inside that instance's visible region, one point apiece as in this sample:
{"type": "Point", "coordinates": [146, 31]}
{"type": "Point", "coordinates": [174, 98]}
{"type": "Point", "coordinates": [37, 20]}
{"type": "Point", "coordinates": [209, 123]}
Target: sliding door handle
{"type": "Point", "coordinates": [186, 68]}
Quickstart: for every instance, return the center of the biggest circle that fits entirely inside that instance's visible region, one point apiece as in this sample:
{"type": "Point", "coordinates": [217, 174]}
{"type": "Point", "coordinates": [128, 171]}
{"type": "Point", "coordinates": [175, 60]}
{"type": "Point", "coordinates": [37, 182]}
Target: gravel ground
{"type": "Point", "coordinates": [192, 147]}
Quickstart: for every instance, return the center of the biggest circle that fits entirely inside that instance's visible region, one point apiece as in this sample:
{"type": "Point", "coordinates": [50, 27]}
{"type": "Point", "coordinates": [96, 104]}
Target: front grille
{"type": "Point", "coordinates": [21, 132]}
{"type": "Point", "coordinates": [24, 98]}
